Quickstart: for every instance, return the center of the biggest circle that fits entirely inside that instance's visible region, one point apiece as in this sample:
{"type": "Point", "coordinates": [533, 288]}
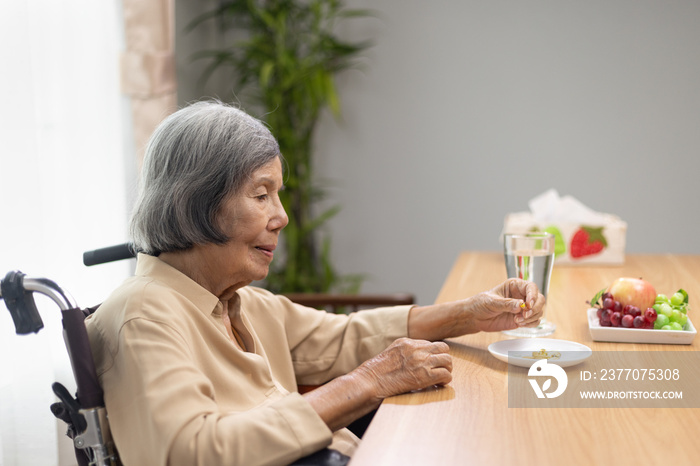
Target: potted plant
{"type": "Point", "coordinates": [285, 60]}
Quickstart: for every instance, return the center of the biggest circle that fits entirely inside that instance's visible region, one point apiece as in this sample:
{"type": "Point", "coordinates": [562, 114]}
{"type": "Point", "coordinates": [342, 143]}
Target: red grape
{"type": "Point", "coordinates": [627, 320]}
{"type": "Point", "coordinates": [638, 322]}
{"type": "Point", "coordinates": [650, 315]}
{"type": "Point", "coordinates": [608, 303]}
{"type": "Point", "coordinates": [615, 319]}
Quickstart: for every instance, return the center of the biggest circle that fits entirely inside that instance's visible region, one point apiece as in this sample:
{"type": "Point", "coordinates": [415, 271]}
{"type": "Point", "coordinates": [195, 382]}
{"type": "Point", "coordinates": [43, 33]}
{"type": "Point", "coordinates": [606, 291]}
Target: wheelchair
{"type": "Point", "coordinates": [85, 414]}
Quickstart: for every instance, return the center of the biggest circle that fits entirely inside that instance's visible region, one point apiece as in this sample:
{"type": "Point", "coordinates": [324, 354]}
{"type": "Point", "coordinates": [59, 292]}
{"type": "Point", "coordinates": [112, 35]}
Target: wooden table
{"type": "Point", "coordinates": [469, 422]}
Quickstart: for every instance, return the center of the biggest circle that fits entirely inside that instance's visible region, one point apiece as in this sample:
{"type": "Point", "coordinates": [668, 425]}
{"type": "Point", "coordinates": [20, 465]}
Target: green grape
{"type": "Point", "coordinates": [675, 315]}
{"type": "Point", "coordinates": [671, 312]}
{"type": "Point", "coordinates": [677, 299]}
{"type": "Point", "coordinates": [665, 309]}
{"type": "Point", "coordinates": [660, 321]}
{"type": "Point", "coordinates": [683, 320]}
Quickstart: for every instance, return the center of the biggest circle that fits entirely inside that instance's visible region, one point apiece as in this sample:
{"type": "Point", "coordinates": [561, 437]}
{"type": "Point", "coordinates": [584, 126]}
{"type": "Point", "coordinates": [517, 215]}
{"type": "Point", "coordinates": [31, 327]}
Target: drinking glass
{"type": "Point", "coordinates": [530, 256]}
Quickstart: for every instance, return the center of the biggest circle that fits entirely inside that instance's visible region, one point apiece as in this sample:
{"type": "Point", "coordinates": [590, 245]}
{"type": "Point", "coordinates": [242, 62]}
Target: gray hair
{"type": "Point", "coordinates": [195, 159]}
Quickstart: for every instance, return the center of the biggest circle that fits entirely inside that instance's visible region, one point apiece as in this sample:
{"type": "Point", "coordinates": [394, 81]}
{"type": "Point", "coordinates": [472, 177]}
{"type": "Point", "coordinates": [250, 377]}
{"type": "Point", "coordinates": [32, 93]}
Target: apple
{"type": "Point", "coordinates": [634, 292]}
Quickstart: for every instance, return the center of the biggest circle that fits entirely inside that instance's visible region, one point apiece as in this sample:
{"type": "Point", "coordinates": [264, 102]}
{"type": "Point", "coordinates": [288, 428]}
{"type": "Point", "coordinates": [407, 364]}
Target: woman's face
{"type": "Point", "coordinates": [253, 219]}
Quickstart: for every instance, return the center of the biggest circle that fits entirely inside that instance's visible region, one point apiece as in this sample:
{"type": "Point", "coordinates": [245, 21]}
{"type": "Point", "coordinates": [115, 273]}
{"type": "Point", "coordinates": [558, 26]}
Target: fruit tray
{"type": "Point", "coordinates": [635, 335]}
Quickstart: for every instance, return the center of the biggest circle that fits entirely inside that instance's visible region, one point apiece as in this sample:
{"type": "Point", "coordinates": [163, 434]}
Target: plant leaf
{"type": "Point", "coordinates": [321, 219]}
{"type": "Point", "coordinates": [266, 72]}
{"type": "Point", "coordinates": [357, 13]}
{"type": "Point", "coordinates": [597, 297]}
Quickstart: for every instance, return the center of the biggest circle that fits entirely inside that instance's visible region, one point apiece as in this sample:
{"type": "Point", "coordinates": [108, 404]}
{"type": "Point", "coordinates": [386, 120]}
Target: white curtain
{"type": "Point", "coordinates": [66, 152]}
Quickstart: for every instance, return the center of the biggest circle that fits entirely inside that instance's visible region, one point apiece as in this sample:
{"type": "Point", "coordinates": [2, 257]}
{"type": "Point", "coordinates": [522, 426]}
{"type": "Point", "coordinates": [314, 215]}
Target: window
{"type": "Point", "coordinates": [64, 162]}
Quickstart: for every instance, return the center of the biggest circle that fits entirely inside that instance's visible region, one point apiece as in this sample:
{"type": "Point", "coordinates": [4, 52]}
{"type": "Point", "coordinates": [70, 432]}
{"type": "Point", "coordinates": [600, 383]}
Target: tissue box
{"type": "Point", "coordinates": [602, 242]}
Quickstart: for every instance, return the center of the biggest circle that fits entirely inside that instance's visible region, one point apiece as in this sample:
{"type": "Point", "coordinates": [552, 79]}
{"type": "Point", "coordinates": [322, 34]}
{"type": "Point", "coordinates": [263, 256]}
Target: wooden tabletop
{"type": "Point", "coordinates": [469, 422]}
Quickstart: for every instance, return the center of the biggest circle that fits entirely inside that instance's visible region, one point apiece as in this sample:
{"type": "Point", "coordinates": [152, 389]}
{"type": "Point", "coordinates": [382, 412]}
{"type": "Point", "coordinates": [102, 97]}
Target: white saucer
{"type": "Point", "coordinates": [571, 352]}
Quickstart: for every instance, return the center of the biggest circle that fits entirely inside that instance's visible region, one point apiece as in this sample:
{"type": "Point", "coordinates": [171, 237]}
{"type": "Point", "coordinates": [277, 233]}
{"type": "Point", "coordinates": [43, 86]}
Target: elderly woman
{"type": "Point", "coordinates": [200, 368]}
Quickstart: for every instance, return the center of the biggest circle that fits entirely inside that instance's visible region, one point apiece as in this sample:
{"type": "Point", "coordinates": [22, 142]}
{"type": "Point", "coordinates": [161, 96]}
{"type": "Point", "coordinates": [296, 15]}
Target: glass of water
{"type": "Point", "coordinates": [530, 256]}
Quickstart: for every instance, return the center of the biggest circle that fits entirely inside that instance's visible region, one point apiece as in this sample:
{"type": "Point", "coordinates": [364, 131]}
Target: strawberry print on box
{"type": "Point", "coordinates": [587, 241]}
{"type": "Point", "coordinates": [577, 243]}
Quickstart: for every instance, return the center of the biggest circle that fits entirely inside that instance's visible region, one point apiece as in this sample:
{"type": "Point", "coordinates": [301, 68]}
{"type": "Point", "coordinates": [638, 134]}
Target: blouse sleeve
{"type": "Point", "coordinates": [325, 345]}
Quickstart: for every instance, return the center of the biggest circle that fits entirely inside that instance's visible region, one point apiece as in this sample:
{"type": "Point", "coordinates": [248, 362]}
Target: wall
{"type": "Point", "coordinates": [464, 110]}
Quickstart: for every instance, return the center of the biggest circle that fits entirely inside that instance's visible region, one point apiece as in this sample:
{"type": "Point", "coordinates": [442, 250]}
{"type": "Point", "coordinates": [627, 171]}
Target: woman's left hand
{"type": "Point", "coordinates": [512, 304]}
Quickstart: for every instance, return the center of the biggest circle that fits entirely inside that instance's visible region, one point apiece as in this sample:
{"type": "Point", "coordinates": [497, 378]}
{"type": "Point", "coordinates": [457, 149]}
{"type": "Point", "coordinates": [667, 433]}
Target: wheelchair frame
{"type": "Point", "coordinates": [85, 413]}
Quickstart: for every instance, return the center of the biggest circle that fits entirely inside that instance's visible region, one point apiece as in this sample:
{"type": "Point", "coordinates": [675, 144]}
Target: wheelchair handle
{"type": "Point", "coordinates": [109, 254]}
{"type": "Point", "coordinates": [17, 291]}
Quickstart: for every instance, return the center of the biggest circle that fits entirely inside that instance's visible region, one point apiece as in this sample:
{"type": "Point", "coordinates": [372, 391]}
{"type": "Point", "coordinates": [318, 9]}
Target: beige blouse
{"type": "Point", "coordinates": [180, 391]}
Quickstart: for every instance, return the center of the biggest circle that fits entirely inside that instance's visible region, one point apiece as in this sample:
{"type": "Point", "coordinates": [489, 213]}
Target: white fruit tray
{"type": "Point", "coordinates": [635, 335]}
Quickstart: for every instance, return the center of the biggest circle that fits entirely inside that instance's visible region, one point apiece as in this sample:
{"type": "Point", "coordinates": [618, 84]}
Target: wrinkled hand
{"type": "Point", "coordinates": [500, 308]}
{"type": "Point", "coordinates": [408, 365]}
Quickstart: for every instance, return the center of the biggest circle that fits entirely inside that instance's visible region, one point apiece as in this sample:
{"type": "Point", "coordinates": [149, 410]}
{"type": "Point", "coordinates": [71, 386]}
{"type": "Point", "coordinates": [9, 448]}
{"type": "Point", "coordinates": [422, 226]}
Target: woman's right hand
{"type": "Point", "coordinates": [404, 366]}
{"type": "Point", "coordinates": [407, 365]}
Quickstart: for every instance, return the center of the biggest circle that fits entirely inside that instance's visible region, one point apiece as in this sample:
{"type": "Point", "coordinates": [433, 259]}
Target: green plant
{"type": "Point", "coordinates": [284, 64]}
